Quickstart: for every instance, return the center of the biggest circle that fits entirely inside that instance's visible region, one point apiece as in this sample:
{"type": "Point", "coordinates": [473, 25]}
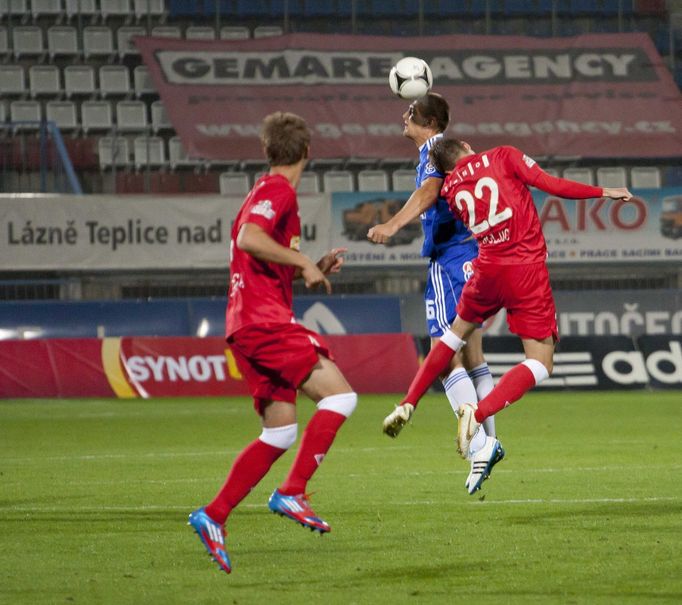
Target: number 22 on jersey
{"type": "Point", "coordinates": [494, 217]}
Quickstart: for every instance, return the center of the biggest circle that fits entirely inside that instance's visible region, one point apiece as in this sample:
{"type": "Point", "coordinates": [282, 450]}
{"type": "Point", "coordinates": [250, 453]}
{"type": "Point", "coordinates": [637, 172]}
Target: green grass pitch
{"type": "Point", "coordinates": [586, 508]}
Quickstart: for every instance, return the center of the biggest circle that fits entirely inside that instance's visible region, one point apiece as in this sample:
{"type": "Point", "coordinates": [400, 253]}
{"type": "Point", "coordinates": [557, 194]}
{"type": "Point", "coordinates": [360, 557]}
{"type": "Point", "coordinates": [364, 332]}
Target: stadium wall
{"type": "Point", "coordinates": [377, 363]}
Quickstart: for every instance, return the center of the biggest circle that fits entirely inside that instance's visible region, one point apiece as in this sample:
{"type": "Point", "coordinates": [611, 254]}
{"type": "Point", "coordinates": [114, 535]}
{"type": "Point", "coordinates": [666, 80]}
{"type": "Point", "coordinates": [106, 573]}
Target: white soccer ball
{"type": "Point", "coordinates": [410, 78]}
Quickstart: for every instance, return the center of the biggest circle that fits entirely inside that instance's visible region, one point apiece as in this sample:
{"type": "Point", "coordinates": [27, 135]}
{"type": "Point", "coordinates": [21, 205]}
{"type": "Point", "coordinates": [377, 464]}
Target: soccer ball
{"type": "Point", "coordinates": [410, 78]}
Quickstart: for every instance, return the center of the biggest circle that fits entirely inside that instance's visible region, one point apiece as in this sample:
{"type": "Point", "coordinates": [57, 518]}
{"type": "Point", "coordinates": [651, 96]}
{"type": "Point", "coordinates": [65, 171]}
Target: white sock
{"type": "Point", "coordinates": [483, 383]}
{"type": "Point", "coordinates": [459, 388]}
{"type": "Point", "coordinates": [477, 441]}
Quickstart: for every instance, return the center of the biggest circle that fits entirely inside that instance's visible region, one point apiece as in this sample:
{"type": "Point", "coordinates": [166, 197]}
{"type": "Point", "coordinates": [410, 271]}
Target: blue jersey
{"type": "Point", "coordinates": [443, 233]}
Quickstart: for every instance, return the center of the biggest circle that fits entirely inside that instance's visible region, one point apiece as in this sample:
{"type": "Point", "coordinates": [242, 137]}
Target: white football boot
{"type": "Point", "coordinates": [482, 462]}
{"type": "Point", "coordinates": [397, 419]}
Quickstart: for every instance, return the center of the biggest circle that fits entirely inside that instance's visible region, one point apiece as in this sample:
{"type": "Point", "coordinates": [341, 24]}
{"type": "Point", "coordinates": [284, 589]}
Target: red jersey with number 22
{"type": "Point", "coordinates": [489, 192]}
{"type": "Point", "coordinates": [261, 292]}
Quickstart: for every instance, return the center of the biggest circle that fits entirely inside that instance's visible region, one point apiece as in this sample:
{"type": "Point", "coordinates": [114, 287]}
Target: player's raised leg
{"type": "Point", "coordinates": [520, 379]}
{"type": "Point", "coordinates": [335, 402]}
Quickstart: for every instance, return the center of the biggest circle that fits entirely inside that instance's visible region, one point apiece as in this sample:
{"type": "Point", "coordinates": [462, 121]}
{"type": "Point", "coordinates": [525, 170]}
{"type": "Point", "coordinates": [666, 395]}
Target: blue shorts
{"type": "Point", "coordinates": [443, 289]}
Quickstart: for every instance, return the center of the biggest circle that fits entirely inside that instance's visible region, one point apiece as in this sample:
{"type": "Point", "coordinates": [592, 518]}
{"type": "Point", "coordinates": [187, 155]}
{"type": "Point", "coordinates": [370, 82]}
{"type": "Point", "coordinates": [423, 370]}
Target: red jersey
{"type": "Point", "coordinates": [489, 192]}
{"type": "Point", "coordinates": [261, 292]}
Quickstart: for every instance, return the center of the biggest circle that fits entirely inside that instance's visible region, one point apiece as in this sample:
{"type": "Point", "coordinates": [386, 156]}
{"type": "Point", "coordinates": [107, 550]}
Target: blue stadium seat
{"type": "Point", "coordinates": [188, 8]}
{"type": "Point", "coordinates": [470, 8]}
{"type": "Point", "coordinates": [396, 9]}
{"type": "Point", "coordinates": [531, 8]}
{"type": "Point", "coordinates": [339, 8]}
{"type": "Point", "coordinates": [588, 7]}
{"type": "Point", "coordinates": [541, 27]}
{"type": "Point", "coordinates": [258, 8]}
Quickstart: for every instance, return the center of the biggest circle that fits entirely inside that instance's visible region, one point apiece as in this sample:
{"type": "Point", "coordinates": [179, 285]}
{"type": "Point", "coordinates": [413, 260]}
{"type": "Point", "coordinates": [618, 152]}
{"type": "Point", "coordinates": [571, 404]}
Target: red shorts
{"type": "Point", "coordinates": [275, 359]}
{"type": "Point", "coordinates": [523, 290]}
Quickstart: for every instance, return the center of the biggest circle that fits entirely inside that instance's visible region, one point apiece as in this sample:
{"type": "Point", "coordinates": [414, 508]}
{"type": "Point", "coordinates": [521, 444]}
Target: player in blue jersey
{"type": "Point", "coordinates": [450, 249]}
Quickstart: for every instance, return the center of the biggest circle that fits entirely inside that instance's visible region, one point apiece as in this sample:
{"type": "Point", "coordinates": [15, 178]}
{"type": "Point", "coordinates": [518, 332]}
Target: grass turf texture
{"type": "Point", "coordinates": [586, 508]}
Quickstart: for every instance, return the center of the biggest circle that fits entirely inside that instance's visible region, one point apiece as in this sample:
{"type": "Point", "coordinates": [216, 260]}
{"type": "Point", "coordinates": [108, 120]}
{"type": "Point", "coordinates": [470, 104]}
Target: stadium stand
{"type": "Point", "coordinates": [113, 152]}
{"type": "Point", "coordinates": [96, 116]}
{"type": "Point", "coordinates": [98, 41]}
{"type": "Point", "coordinates": [79, 81]}
{"type": "Point", "coordinates": [26, 111]}
{"type": "Point", "coordinates": [80, 8]}
{"type": "Point", "coordinates": [44, 80]}
{"type": "Point", "coordinates": [234, 183]}
{"type": "Point", "coordinates": [403, 179]}
{"type": "Point", "coordinates": [77, 59]}
{"type": "Point", "coordinates": [582, 175]}
{"type": "Point", "coordinates": [114, 80]}
{"type": "Point", "coordinates": [645, 177]}
{"type": "Point", "coordinates": [63, 113]}
{"type": "Point", "coordinates": [12, 80]}
{"type": "Point", "coordinates": [338, 180]}
{"type": "Point", "coordinates": [62, 41]}
{"type": "Point", "coordinates": [372, 180]}
{"type": "Point", "coordinates": [615, 176]}
{"type": "Point", "coordinates": [198, 32]}
{"type": "Point", "coordinates": [310, 183]}
{"type": "Point", "coordinates": [234, 32]}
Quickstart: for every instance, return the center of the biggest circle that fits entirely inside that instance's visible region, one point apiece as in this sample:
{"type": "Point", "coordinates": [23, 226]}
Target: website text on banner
{"type": "Point", "coordinates": [596, 95]}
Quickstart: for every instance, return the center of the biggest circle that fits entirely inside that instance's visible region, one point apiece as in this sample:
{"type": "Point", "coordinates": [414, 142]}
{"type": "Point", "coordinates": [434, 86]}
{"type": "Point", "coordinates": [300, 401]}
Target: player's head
{"type": "Point", "coordinates": [429, 114]}
{"type": "Point", "coordinates": [285, 138]}
{"type": "Point", "coordinates": [445, 153]}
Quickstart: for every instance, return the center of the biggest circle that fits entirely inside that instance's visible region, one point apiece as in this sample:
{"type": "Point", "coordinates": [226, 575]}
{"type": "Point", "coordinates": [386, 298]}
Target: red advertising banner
{"type": "Point", "coordinates": [180, 367]}
{"type": "Point", "coordinates": [596, 95]}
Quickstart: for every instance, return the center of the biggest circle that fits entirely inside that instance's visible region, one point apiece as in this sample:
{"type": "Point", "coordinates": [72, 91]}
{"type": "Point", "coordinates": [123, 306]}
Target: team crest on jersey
{"type": "Point", "coordinates": [264, 208]}
{"type": "Point", "coordinates": [295, 243]}
{"type": "Point", "coordinates": [530, 162]}
{"type": "Point", "coordinates": [429, 168]}
{"type": "Point", "coordinates": [468, 270]}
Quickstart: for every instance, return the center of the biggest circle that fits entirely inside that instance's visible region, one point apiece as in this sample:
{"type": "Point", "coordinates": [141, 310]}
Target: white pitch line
{"type": "Point", "coordinates": [109, 509]}
{"type": "Point", "coordinates": [526, 470]}
{"type": "Point", "coordinates": [548, 501]}
{"type": "Point", "coordinates": [211, 454]}
{"type": "Point", "coordinates": [487, 502]}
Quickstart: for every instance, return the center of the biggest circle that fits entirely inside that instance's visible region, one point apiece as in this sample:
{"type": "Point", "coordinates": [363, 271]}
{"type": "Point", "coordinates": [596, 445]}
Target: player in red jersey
{"type": "Point", "coordinates": [489, 192]}
{"type": "Point", "coordinates": [276, 355]}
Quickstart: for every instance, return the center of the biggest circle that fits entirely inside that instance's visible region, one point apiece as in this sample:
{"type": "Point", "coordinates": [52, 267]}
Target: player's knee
{"type": "Point", "coordinates": [282, 437]}
{"type": "Point", "coordinates": [540, 370]}
{"type": "Point", "coordinates": [343, 403]}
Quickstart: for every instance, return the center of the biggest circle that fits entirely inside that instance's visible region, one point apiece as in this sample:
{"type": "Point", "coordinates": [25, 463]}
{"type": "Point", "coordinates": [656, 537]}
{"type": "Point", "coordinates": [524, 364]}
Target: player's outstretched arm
{"type": "Point", "coordinates": [420, 201]}
{"type": "Point", "coordinates": [617, 193]}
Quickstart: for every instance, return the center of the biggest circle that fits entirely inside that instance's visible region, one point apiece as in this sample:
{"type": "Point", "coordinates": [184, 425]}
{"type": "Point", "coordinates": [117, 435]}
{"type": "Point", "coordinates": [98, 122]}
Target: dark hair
{"type": "Point", "coordinates": [285, 138]}
{"type": "Point", "coordinates": [431, 110]}
{"type": "Point", "coordinates": [445, 153]}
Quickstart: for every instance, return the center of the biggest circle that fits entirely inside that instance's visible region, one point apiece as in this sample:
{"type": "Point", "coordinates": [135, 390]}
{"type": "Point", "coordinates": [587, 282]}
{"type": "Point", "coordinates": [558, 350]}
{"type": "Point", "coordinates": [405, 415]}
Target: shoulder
{"type": "Point", "coordinates": [278, 190]}
{"type": "Point", "coordinates": [507, 151]}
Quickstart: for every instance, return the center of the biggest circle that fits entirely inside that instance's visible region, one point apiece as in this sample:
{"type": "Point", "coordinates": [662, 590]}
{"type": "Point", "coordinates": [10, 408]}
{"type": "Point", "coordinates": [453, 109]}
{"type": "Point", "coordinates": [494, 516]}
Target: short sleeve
{"type": "Point", "coordinates": [430, 172]}
{"type": "Point", "coordinates": [270, 207]}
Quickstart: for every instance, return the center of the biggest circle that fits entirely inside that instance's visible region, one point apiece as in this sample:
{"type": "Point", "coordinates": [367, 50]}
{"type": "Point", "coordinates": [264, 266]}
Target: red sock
{"type": "Point", "coordinates": [436, 361]}
{"type": "Point", "coordinates": [317, 439]}
{"type": "Point", "coordinates": [512, 386]}
{"type": "Point", "coordinates": [248, 469]}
